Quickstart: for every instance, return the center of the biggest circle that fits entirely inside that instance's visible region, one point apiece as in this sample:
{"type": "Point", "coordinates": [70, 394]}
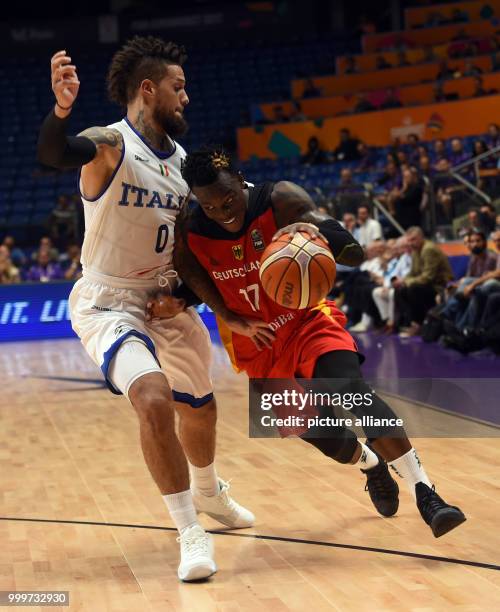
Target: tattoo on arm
{"type": "Point", "coordinates": [104, 136]}
{"type": "Point", "coordinates": [193, 273]}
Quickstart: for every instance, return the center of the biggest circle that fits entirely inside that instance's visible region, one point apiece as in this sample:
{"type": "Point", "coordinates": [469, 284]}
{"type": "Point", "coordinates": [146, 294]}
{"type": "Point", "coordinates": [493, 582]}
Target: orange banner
{"type": "Point", "coordinates": [427, 36]}
{"type": "Point", "coordinates": [463, 118]}
{"type": "Point", "coordinates": [332, 85]}
{"type": "Point", "coordinates": [418, 16]}
{"type": "Point", "coordinates": [314, 108]}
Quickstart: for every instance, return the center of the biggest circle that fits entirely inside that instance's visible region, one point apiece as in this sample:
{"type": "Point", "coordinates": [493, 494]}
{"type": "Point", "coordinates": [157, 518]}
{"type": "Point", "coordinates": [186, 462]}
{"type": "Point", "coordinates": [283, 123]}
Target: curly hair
{"type": "Point", "coordinates": [202, 167]}
{"type": "Point", "coordinates": [142, 57]}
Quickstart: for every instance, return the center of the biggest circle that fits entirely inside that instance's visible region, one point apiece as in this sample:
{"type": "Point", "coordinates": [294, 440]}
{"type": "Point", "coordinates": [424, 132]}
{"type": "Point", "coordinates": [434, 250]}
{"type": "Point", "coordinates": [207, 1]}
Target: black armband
{"type": "Point", "coordinates": [58, 150]}
{"type": "Point", "coordinates": [183, 292]}
{"type": "Point", "coordinates": [345, 248]}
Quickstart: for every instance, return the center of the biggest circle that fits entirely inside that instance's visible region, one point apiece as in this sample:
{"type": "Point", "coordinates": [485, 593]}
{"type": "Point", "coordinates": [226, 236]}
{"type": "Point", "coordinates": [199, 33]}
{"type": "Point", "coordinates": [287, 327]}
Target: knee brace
{"type": "Point", "coordinates": [338, 443]}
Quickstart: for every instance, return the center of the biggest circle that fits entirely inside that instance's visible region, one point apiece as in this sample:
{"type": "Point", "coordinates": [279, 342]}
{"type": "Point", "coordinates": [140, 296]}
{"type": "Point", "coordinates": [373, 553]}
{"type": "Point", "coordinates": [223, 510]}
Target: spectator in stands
{"type": "Point", "coordinates": [46, 245]}
{"type": "Point", "coordinates": [16, 254]}
{"type": "Point", "coordinates": [369, 230]}
{"type": "Point", "coordinates": [383, 296]}
{"type": "Point", "coordinates": [478, 292]}
{"type": "Point", "coordinates": [45, 270]}
{"type": "Point", "coordinates": [481, 261]}
{"type": "Point", "coordinates": [346, 183]}
{"type": "Point", "coordinates": [63, 221]}
{"type": "Point", "coordinates": [430, 272]}
{"type": "Point", "coordinates": [444, 72]}
{"type": "Point", "coordinates": [457, 155]}
{"type": "Point", "coordinates": [381, 63]}
{"type": "Point", "coordinates": [405, 203]}
{"type": "Point", "coordinates": [310, 90]}
{"type": "Point", "coordinates": [391, 99]}
{"type": "Point", "coordinates": [362, 311]}
{"type": "Point", "coordinates": [279, 115]}
{"type": "Point", "coordinates": [363, 105]}
{"type": "Point", "coordinates": [479, 89]}
{"type": "Point", "coordinates": [470, 70]}
{"type": "Point", "coordinates": [314, 155]}
{"type": "Point", "coordinates": [495, 61]}
{"type": "Point", "coordinates": [493, 136]}
{"type": "Point", "coordinates": [403, 60]}
{"type": "Point", "coordinates": [439, 95]}
{"type": "Point", "coordinates": [349, 222]}
{"type": "Point", "coordinates": [366, 158]}
{"type": "Point", "coordinates": [9, 273]}
{"type": "Point", "coordinates": [350, 66]}
{"type": "Point", "coordinates": [297, 114]}
{"type": "Point", "coordinates": [439, 151]}
{"type": "Point", "coordinates": [459, 16]}
{"type": "Point", "coordinates": [391, 177]}
{"type": "Point", "coordinates": [480, 147]}
{"type": "Point", "coordinates": [424, 167]}
{"type": "Point", "coordinates": [412, 146]}
{"type": "Point", "coordinates": [70, 263]}
{"type": "Point", "coordinates": [473, 222]}
{"type": "Point", "coordinates": [445, 186]}
{"type": "Point", "coordinates": [347, 150]}
{"type": "Point", "coordinates": [487, 213]}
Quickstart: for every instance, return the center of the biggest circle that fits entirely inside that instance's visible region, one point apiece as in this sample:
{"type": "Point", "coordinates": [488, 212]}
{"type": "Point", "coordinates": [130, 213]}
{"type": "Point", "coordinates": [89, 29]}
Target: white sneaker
{"type": "Point", "coordinates": [359, 328]}
{"type": "Point", "coordinates": [223, 508]}
{"type": "Point", "coordinates": [197, 552]}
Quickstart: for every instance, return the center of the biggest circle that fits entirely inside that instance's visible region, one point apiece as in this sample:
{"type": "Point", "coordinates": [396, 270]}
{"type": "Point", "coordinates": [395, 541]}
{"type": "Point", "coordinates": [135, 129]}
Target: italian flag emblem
{"type": "Point", "coordinates": [164, 169]}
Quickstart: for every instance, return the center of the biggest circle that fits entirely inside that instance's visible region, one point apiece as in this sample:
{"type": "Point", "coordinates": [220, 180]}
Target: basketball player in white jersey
{"type": "Point", "coordinates": [132, 191]}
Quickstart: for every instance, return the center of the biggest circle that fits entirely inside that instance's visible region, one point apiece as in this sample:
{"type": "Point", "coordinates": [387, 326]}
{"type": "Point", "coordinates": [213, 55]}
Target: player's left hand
{"type": "Point", "coordinates": [164, 307]}
{"type": "Point", "coordinates": [308, 228]}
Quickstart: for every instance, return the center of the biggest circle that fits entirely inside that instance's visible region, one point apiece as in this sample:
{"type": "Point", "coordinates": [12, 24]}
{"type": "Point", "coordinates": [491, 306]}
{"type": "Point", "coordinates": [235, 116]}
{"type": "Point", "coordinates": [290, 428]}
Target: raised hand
{"type": "Point", "coordinates": [65, 83]}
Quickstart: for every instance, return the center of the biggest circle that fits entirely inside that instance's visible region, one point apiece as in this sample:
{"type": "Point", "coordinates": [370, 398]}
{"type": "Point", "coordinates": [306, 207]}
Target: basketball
{"type": "Point", "coordinates": [297, 272]}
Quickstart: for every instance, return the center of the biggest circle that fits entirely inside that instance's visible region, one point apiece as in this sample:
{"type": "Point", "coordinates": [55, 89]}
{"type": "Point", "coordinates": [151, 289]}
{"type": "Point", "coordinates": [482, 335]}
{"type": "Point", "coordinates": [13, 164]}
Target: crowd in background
{"type": "Point", "coordinates": [414, 172]}
{"type": "Point", "coordinates": [406, 286]}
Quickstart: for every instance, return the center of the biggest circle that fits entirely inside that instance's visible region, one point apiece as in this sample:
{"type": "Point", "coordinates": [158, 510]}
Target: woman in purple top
{"type": "Point", "coordinates": [44, 270]}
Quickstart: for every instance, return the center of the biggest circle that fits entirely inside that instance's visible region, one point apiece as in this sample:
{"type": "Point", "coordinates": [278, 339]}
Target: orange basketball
{"type": "Point", "coordinates": [297, 272]}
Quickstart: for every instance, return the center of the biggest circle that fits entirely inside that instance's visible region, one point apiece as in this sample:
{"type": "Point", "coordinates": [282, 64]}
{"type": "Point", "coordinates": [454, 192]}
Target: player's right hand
{"type": "Point", "coordinates": [255, 329]}
{"type": "Point", "coordinates": [65, 83]}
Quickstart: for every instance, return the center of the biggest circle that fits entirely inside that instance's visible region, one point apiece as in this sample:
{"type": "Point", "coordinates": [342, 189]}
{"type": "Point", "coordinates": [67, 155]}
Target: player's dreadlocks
{"type": "Point", "coordinates": [142, 57]}
{"type": "Point", "coordinates": [202, 167]}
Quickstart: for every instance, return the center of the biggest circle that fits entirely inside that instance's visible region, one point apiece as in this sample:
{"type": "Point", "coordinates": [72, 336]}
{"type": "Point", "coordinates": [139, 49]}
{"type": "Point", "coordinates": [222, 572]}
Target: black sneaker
{"type": "Point", "coordinates": [440, 517]}
{"type": "Point", "coordinates": [383, 489]}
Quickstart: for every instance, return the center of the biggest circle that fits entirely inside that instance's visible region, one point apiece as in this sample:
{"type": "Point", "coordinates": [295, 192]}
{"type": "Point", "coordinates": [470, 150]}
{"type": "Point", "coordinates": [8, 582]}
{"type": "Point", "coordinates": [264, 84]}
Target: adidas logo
{"type": "Point", "coordinates": [139, 158]}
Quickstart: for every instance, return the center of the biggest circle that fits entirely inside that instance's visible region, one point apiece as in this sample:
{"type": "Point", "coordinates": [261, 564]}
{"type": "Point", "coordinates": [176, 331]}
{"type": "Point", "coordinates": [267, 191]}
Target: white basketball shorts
{"type": "Point", "coordinates": [104, 317]}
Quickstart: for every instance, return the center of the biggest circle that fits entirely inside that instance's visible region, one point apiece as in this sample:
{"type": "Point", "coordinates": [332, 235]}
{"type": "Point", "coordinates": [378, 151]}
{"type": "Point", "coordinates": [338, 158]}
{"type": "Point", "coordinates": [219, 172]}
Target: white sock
{"type": "Point", "coordinates": [205, 479]}
{"type": "Point", "coordinates": [408, 466]}
{"type": "Point", "coordinates": [368, 459]}
{"type": "Point", "coordinates": [181, 508]}
{"type": "Point", "coordinates": [366, 320]}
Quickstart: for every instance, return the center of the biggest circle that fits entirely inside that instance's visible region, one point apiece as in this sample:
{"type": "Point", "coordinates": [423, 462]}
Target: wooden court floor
{"type": "Point", "coordinates": [80, 513]}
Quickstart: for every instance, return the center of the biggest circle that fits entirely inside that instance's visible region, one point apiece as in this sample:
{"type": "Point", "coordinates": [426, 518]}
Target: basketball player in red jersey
{"type": "Point", "coordinates": [218, 249]}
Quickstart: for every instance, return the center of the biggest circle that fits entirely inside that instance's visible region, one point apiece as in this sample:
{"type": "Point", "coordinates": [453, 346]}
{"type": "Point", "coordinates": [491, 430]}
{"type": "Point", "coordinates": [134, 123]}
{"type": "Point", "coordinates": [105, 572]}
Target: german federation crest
{"type": "Point", "coordinates": [238, 251]}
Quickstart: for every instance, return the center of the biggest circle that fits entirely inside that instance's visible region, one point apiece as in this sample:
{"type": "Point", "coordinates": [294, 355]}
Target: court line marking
{"type": "Point", "coordinates": [385, 551]}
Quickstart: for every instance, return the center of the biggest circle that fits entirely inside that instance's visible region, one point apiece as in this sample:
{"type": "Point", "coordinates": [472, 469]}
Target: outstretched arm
{"type": "Point", "coordinates": [97, 149]}
{"type": "Point", "coordinates": [293, 206]}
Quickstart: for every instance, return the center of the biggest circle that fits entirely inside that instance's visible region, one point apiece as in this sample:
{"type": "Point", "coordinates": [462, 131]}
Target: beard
{"type": "Point", "coordinates": [173, 125]}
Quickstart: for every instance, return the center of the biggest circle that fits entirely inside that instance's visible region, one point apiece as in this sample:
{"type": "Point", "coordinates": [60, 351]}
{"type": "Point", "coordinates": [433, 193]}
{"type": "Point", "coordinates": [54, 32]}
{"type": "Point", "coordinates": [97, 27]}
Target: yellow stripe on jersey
{"type": "Point", "coordinates": [226, 335]}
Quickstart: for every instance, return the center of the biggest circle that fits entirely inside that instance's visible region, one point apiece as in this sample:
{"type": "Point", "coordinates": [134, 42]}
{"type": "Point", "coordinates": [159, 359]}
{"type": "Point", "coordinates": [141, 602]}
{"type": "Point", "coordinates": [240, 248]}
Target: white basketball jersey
{"type": "Point", "coordinates": [129, 227]}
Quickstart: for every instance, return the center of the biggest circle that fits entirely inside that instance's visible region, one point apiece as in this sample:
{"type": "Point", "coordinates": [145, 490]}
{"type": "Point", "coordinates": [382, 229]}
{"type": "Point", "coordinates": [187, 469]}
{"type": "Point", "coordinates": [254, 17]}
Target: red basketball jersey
{"type": "Point", "coordinates": [233, 260]}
